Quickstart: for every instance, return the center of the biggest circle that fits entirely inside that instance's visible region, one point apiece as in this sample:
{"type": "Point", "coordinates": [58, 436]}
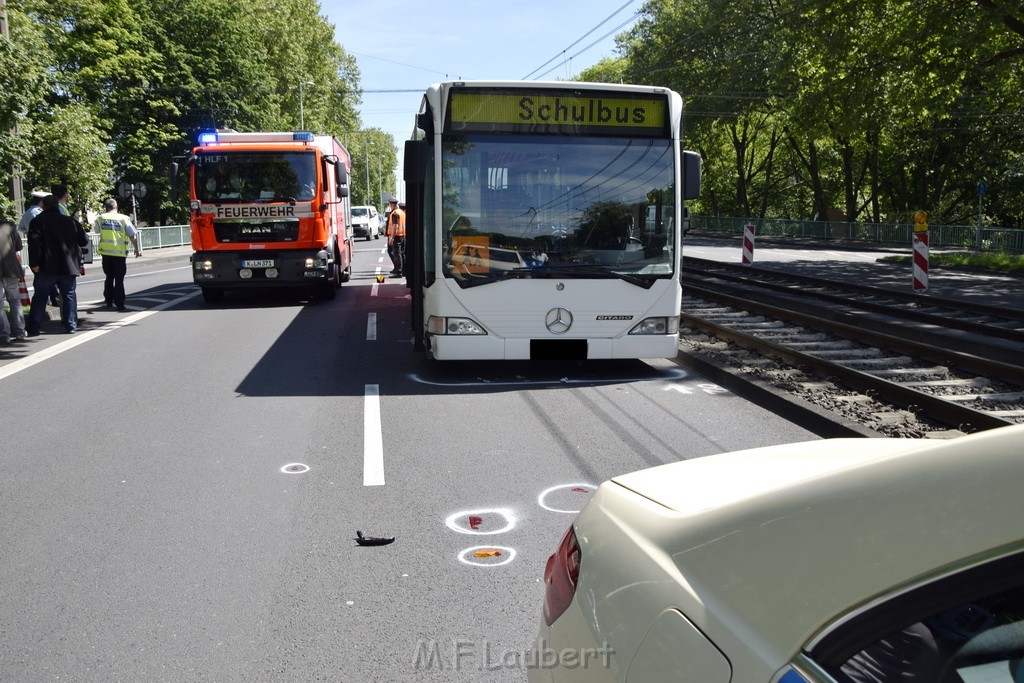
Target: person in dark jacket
{"type": "Point", "coordinates": [11, 273]}
{"type": "Point", "coordinates": [55, 242]}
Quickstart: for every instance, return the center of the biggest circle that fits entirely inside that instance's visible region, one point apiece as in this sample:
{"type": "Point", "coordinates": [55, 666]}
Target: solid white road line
{"type": "Point", "coordinates": [83, 337]}
{"type": "Point", "coordinates": [373, 438]}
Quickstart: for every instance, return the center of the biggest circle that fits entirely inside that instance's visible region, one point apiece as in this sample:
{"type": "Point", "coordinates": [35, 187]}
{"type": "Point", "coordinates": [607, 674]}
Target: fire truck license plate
{"type": "Point", "coordinates": [258, 263]}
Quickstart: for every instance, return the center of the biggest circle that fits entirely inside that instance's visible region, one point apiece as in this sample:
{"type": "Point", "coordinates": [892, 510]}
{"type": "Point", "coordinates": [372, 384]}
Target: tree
{"type": "Point", "coordinates": [373, 158]}
{"type": "Point", "coordinates": [23, 61]}
{"type": "Point", "coordinates": [884, 107]}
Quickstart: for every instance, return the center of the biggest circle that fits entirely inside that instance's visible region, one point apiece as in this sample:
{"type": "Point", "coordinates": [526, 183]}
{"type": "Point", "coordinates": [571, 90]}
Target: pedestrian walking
{"type": "Point", "coordinates": [116, 232]}
{"type": "Point", "coordinates": [55, 243]}
{"type": "Point", "coordinates": [35, 208]}
{"type": "Point", "coordinates": [11, 273]}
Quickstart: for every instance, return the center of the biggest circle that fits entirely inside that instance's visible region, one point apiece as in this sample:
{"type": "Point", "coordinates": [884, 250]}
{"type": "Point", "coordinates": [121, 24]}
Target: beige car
{"type": "Point", "coordinates": [849, 560]}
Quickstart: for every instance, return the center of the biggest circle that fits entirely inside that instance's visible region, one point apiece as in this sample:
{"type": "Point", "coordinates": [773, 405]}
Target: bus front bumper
{"type": "Point", "coordinates": [490, 347]}
{"type": "Point", "coordinates": [267, 269]}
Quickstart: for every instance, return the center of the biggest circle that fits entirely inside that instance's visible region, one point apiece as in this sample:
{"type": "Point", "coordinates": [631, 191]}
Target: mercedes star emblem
{"type": "Point", "coordinates": [558, 320]}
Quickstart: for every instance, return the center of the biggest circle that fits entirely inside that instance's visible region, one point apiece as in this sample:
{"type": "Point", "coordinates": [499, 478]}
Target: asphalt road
{"type": "Point", "coordinates": [182, 486]}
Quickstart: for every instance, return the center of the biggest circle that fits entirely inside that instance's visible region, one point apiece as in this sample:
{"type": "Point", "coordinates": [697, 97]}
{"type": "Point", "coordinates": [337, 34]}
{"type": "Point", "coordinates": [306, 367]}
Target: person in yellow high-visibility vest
{"type": "Point", "coordinates": [116, 232]}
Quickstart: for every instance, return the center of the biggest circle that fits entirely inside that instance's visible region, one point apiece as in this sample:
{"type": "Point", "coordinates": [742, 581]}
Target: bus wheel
{"type": "Point", "coordinates": [212, 296]}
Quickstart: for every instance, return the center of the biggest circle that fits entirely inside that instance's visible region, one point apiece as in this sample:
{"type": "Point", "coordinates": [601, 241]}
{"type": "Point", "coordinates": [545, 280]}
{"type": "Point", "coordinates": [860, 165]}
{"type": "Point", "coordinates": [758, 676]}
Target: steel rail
{"type": "Point", "coordinates": [990, 361]}
{"type": "Point", "coordinates": [743, 273]}
{"type": "Point", "coordinates": [955, 415]}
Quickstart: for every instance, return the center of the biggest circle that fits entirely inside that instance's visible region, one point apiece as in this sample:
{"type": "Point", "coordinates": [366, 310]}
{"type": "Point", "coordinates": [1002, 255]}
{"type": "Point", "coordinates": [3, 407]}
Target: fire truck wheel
{"type": "Point", "coordinates": [328, 291]}
{"type": "Point", "coordinates": [211, 296]}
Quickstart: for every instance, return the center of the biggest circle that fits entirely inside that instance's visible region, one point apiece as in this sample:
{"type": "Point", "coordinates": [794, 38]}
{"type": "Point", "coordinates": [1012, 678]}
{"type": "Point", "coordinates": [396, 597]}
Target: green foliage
{"type": "Point", "coordinates": [844, 109]}
{"type": "Point", "coordinates": [84, 165]}
{"type": "Point", "coordinates": [110, 90]}
{"type": "Point", "coordinates": [374, 159]}
{"type": "Point", "coordinates": [608, 70]}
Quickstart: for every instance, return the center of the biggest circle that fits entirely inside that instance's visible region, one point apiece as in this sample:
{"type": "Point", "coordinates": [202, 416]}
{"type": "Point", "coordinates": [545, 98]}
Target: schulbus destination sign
{"type": "Point", "coordinates": [557, 112]}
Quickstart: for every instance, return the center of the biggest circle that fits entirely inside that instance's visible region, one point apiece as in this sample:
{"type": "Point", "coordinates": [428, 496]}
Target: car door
{"type": "Point", "coordinates": [965, 625]}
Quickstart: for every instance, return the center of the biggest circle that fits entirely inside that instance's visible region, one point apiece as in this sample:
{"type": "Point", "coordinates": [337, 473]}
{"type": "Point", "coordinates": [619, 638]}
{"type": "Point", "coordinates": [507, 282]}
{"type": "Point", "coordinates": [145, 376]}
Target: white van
{"type": "Point", "coordinates": [366, 222]}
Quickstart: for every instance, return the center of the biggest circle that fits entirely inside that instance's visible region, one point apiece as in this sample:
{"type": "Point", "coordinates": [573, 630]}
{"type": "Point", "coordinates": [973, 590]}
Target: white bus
{"type": "Point", "coordinates": [542, 220]}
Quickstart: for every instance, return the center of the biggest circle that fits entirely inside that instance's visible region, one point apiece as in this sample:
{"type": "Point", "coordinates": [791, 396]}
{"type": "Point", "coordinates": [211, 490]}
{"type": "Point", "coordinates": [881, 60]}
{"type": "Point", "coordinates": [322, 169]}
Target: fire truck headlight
{"type": "Point", "coordinates": [245, 273]}
{"type": "Point", "coordinates": [205, 266]}
{"type": "Point", "coordinates": [438, 325]}
{"type": "Point", "coordinates": [272, 272]}
{"type": "Point", "coordinates": [665, 325]}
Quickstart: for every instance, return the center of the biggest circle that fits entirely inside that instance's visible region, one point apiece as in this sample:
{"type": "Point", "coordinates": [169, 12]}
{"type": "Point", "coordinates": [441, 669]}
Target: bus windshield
{"type": "Point", "coordinates": [247, 177]}
{"type": "Point", "coordinates": [558, 205]}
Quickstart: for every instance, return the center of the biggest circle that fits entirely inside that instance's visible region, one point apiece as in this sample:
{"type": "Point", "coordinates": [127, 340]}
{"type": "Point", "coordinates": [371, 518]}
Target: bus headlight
{"type": "Point", "coordinates": [659, 326]}
{"type": "Point", "coordinates": [439, 325]}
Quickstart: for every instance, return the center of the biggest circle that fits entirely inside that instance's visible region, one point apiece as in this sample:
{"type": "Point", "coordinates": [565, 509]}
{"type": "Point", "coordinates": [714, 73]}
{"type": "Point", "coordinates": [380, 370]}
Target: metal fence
{"type": "Point", "coordinates": [159, 236]}
{"type": "Point", "coordinates": [1008, 240]}
{"type": "Point", "coordinates": [155, 237]}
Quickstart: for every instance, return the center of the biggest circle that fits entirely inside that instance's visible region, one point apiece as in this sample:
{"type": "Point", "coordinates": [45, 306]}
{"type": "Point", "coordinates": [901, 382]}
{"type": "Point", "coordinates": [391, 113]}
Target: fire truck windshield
{"type": "Point", "coordinates": [248, 177]}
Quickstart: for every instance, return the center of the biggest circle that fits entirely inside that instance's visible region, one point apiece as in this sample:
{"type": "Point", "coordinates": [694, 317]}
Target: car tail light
{"type": "Point", "coordinates": [560, 575]}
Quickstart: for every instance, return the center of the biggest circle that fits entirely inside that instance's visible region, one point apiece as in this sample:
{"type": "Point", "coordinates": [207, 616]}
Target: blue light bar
{"type": "Point", "coordinates": [303, 136]}
{"type": "Point", "coordinates": [207, 138]}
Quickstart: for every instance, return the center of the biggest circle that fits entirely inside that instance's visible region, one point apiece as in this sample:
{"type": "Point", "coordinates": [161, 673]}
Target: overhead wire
{"type": "Point", "coordinates": [581, 38]}
{"type": "Point", "coordinates": [632, 18]}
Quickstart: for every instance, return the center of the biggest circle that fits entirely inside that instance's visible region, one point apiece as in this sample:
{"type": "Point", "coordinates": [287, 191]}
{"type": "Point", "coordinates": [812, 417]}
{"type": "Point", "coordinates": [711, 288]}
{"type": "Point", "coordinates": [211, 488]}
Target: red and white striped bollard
{"type": "Point", "coordinates": [748, 243]}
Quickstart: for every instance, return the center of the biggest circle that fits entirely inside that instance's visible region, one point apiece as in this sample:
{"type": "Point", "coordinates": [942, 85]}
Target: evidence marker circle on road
{"type": "Point", "coordinates": [295, 468]}
{"type": "Point", "coordinates": [567, 498]}
{"type": "Point", "coordinates": [483, 522]}
{"type": "Point", "coordinates": [487, 556]}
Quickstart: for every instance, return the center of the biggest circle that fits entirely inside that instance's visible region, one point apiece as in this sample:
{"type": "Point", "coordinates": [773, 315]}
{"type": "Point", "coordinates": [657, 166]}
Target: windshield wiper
{"type": "Point", "coordinates": [586, 269]}
{"type": "Point", "coordinates": [276, 198]}
{"type": "Point", "coordinates": [467, 282]}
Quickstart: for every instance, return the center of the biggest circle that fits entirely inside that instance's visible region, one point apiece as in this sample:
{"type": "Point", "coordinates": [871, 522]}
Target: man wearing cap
{"type": "Point", "coordinates": [116, 231]}
{"type": "Point", "coordinates": [36, 200]}
{"type": "Point", "coordinates": [396, 236]}
{"type": "Point", "coordinates": [55, 244]}
{"type": "Point", "coordinates": [35, 208]}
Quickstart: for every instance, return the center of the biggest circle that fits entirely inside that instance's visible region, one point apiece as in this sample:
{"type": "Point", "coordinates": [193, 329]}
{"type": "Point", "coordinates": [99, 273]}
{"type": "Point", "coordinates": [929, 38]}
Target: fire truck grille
{"type": "Point", "coordinates": [266, 231]}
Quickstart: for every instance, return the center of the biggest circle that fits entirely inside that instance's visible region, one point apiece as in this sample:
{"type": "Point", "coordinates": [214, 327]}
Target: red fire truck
{"type": "Point", "coordinates": [269, 209]}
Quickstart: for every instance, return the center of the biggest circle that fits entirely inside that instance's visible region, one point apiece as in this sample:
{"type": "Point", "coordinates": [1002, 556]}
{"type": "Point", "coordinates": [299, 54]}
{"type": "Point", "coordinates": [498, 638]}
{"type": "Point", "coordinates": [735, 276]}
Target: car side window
{"type": "Point", "coordinates": [976, 641]}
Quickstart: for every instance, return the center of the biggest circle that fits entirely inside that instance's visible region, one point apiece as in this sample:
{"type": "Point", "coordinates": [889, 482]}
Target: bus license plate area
{"type": "Point", "coordinates": [558, 349]}
{"type": "Point", "coordinates": [257, 263]}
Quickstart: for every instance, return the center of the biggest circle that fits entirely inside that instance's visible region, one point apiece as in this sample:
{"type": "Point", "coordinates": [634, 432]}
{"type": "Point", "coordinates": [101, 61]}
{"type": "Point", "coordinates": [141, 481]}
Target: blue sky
{"type": "Point", "coordinates": [402, 45]}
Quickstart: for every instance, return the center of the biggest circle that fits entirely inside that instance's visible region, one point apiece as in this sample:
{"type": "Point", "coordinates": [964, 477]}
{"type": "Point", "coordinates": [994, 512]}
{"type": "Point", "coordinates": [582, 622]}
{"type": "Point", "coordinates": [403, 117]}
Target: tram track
{"type": "Point", "coordinates": [875, 358]}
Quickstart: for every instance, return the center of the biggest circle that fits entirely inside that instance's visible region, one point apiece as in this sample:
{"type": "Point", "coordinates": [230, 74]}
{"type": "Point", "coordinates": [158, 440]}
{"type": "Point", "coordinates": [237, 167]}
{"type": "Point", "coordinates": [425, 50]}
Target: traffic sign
{"type": "Point", "coordinates": [126, 189]}
{"type": "Point", "coordinates": [982, 188]}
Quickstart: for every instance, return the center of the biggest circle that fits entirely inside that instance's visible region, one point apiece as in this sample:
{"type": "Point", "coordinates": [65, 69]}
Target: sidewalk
{"type": "Point", "coordinates": [149, 257]}
{"type": "Point", "coordinates": [91, 314]}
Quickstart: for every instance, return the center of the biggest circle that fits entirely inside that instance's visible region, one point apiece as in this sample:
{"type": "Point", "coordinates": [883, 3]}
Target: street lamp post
{"type": "Point", "coordinates": [302, 113]}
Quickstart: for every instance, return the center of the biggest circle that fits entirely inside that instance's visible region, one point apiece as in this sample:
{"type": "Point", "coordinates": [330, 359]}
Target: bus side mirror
{"type": "Point", "coordinates": [691, 175]}
{"type": "Point", "coordinates": [415, 161]}
{"type": "Point", "coordinates": [173, 190]}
